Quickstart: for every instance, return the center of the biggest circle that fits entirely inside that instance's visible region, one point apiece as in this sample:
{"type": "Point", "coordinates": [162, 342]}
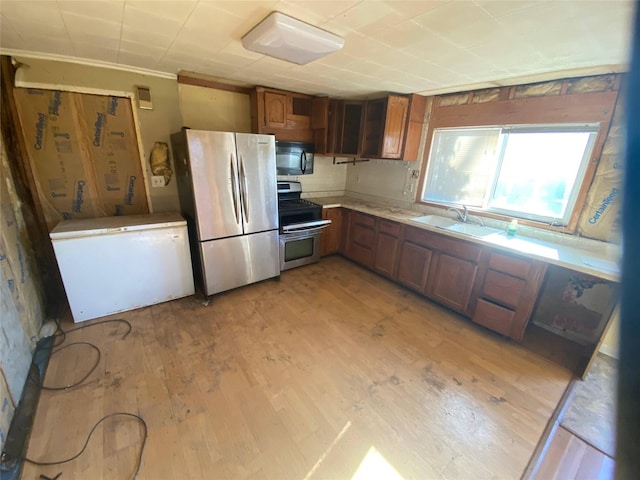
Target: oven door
{"type": "Point", "coordinates": [302, 246]}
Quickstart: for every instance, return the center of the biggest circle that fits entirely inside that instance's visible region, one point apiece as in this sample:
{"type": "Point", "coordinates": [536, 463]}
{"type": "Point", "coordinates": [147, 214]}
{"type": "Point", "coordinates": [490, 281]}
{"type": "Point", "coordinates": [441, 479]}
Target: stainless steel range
{"type": "Point", "coordinates": [301, 227]}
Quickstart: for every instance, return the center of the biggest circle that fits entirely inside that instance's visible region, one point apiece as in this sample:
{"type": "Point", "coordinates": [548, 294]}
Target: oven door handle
{"type": "Point", "coordinates": [314, 226]}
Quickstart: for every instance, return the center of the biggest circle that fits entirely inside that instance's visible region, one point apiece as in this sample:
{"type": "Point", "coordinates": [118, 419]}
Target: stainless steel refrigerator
{"type": "Point", "coordinates": [227, 187]}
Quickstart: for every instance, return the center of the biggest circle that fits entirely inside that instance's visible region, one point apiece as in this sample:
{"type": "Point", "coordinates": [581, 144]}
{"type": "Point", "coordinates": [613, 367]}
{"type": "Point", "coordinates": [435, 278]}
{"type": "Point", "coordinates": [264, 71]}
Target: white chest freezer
{"type": "Point", "coordinates": [113, 264]}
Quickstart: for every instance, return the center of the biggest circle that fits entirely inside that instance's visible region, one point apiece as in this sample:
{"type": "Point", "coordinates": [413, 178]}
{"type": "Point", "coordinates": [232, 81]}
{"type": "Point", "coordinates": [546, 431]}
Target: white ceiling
{"type": "Point", "coordinates": [396, 46]}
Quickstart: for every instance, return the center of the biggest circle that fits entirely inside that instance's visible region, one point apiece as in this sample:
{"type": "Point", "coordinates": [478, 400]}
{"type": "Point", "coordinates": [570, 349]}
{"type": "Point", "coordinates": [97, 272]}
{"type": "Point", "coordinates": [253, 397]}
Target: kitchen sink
{"type": "Point", "coordinates": [435, 221]}
{"type": "Point", "coordinates": [472, 229]}
{"type": "Point", "coordinates": [445, 223]}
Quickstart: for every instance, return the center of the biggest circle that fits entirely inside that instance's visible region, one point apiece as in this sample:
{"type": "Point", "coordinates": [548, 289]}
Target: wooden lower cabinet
{"type": "Point", "coordinates": [387, 246]}
{"type": "Point", "coordinates": [508, 292]}
{"type": "Point", "coordinates": [495, 289]}
{"type": "Point", "coordinates": [413, 266]}
{"type": "Point", "coordinates": [360, 242]}
{"type": "Point", "coordinates": [330, 242]}
{"type": "Point", "coordinates": [451, 281]}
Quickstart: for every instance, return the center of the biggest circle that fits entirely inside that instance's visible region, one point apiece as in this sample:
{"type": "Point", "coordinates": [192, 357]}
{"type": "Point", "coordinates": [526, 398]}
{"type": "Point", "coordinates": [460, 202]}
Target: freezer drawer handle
{"type": "Point", "coordinates": [234, 189]}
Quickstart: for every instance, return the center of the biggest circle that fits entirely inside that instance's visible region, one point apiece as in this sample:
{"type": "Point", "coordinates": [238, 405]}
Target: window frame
{"type": "Point", "coordinates": [578, 108]}
{"type": "Point", "coordinates": [490, 191]}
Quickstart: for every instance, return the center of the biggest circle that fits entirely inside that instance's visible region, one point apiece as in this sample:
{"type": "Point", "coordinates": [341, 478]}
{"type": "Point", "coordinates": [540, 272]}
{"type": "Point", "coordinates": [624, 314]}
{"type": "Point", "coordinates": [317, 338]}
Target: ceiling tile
{"type": "Point", "coordinates": [96, 52]}
{"type": "Point", "coordinates": [368, 18]}
{"type": "Point", "coordinates": [389, 44]}
{"type": "Point", "coordinates": [32, 12]}
{"type": "Point", "coordinates": [142, 16]}
{"type": "Point", "coordinates": [137, 60]}
{"type": "Point", "coordinates": [500, 8]}
{"type": "Point", "coordinates": [462, 23]}
{"type": "Point", "coordinates": [107, 10]}
{"type": "Point", "coordinates": [135, 35]}
{"type": "Point", "coordinates": [212, 26]}
{"type": "Point", "coordinates": [97, 26]}
{"type": "Point", "coordinates": [413, 8]}
{"type": "Point", "coordinates": [149, 49]}
{"type": "Point", "coordinates": [89, 39]}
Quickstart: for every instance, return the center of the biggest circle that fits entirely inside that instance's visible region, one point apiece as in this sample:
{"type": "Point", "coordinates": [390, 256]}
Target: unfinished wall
{"type": "Point", "coordinates": [154, 125]}
{"type": "Point", "coordinates": [392, 180]}
{"type": "Point", "coordinates": [21, 296]}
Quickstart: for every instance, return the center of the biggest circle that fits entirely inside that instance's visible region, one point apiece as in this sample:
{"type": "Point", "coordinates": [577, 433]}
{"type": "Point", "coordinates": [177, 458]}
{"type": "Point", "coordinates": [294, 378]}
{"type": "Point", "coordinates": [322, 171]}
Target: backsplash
{"type": "Point", "coordinates": [327, 179]}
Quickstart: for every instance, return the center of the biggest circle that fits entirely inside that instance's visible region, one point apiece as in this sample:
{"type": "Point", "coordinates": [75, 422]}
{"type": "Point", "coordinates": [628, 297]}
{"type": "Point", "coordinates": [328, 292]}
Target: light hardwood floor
{"type": "Point", "coordinates": [331, 372]}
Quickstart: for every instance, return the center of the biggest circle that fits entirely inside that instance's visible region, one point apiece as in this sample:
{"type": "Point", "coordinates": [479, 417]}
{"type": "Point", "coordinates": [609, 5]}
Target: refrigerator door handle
{"type": "Point", "coordinates": [234, 189]}
{"type": "Point", "coordinates": [243, 191]}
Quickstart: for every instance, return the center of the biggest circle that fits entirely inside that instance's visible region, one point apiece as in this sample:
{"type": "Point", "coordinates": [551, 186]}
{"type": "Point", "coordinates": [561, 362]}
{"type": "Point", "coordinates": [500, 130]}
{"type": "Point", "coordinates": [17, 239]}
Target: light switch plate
{"type": "Point", "coordinates": [157, 181]}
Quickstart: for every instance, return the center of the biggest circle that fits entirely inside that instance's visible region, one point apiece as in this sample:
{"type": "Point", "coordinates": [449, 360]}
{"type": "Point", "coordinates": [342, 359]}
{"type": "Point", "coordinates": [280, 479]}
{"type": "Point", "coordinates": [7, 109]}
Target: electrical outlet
{"type": "Point", "coordinates": [157, 181]}
{"type": "Point", "coordinates": [415, 173]}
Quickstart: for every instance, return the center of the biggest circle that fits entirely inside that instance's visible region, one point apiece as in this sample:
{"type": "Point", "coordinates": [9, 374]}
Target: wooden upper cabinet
{"type": "Point", "coordinates": [275, 110]}
{"type": "Point", "coordinates": [284, 114]}
{"type": "Point", "coordinates": [393, 127]}
{"type": "Point", "coordinates": [337, 126]}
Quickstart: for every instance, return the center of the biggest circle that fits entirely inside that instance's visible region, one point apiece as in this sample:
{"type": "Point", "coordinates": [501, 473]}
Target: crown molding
{"type": "Point", "coordinates": [86, 61]}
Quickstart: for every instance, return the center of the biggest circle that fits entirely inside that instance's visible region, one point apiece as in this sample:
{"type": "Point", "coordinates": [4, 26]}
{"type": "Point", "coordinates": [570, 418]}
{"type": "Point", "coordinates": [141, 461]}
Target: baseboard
{"type": "Point", "coordinates": [15, 447]}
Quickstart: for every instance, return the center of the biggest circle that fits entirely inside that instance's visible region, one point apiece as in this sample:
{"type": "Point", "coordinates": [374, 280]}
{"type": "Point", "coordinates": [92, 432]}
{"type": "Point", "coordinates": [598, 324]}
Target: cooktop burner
{"type": "Point", "coordinates": [291, 203]}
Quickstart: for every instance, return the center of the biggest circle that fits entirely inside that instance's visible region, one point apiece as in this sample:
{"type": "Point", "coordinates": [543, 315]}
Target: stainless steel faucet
{"type": "Point", "coordinates": [462, 216]}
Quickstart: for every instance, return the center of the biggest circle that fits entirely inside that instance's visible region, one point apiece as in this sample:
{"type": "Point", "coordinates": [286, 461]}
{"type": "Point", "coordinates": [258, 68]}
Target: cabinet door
{"type": "Point", "coordinates": [373, 128]}
{"type": "Point", "coordinates": [320, 118]}
{"type": "Point", "coordinates": [413, 267]}
{"type": "Point", "coordinates": [387, 245]}
{"type": "Point", "coordinates": [451, 281]}
{"type": "Point", "coordinates": [275, 110]}
{"type": "Point", "coordinates": [331, 235]}
{"type": "Point", "coordinates": [350, 127]}
{"type": "Point", "coordinates": [394, 127]}
{"type": "Point", "coordinates": [360, 243]}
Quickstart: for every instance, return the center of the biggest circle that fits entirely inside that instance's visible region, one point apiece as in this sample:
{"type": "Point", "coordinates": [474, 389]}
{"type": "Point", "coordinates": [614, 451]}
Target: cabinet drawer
{"type": "Point", "coordinates": [362, 219]}
{"type": "Point", "coordinates": [502, 288]}
{"type": "Point", "coordinates": [418, 236]}
{"type": "Point", "coordinates": [457, 248]}
{"type": "Point", "coordinates": [518, 267]}
{"type": "Point", "coordinates": [390, 228]}
{"type": "Point", "coordinates": [362, 235]}
{"type": "Point", "coordinates": [495, 317]}
{"type": "Point", "coordinates": [360, 254]}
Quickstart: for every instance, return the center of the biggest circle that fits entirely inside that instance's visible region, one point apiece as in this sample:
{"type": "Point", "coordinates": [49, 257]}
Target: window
{"type": "Point", "coordinates": [527, 171]}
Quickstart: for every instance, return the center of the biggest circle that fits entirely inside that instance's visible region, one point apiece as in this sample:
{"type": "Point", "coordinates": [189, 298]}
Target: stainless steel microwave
{"type": "Point", "coordinates": [294, 158]}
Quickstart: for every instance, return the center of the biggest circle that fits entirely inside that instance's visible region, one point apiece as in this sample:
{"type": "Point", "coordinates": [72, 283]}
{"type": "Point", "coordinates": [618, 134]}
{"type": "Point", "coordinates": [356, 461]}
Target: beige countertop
{"type": "Point", "coordinates": [595, 258]}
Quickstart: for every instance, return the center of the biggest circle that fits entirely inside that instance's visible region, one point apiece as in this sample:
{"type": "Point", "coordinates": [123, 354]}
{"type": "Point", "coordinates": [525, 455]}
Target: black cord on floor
{"type": "Point", "coordinates": [55, 348]}
{"type": "Point", "coordinates": [93, 367]}
{"type": "Point", "coordinates": [86, 443]}
{"type": "Point", "coordinates": [61, 333]}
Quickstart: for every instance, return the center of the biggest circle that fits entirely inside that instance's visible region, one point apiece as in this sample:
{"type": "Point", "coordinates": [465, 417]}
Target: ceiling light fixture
{"type": "Point", "coordinates": [289, 39]}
